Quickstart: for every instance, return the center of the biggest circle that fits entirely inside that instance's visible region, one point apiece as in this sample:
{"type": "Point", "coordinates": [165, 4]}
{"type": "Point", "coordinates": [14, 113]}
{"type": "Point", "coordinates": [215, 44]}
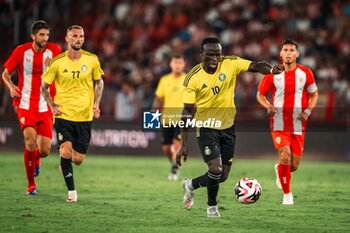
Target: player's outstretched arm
{"type": "Point", "coordinates": [97, 97]}
{"type": "Point", "coordinates": [45, 93]}
{"type": "Point", "coordinates": [265, 68]}
{"type": "Point", "coordinates": [187, 113]}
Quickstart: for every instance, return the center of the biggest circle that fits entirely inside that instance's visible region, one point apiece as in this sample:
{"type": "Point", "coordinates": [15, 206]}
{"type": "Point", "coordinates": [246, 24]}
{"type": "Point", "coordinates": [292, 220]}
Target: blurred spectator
{"type": "Point", "coordinates": [125, 103]}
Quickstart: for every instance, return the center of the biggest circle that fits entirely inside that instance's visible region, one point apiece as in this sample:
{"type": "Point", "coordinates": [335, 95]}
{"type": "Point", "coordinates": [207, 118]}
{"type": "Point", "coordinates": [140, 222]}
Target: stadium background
{"type": "Point", "coordinates": [135, 39]}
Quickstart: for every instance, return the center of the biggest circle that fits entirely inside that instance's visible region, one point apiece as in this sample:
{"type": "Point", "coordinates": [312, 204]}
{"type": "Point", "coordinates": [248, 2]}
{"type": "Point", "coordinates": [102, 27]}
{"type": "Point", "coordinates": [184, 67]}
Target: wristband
{"type": "Point", "coordinates": [271, 70]}
{"type": "Point", "coordinates": [307, 112]}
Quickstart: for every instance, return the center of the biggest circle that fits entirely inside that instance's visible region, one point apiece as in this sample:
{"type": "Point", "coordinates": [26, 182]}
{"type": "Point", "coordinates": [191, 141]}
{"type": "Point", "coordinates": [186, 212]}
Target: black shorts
{"type": "Point", "coordinates": [215, 143]}
{"type": "Point", "coordinates": [79, 133]}
{"type": "Point", "coordinates": [168, 134]}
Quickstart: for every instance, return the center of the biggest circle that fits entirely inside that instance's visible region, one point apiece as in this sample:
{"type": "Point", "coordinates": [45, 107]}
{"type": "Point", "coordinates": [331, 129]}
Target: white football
{"type": "Point", "coordinates": [248, 190]}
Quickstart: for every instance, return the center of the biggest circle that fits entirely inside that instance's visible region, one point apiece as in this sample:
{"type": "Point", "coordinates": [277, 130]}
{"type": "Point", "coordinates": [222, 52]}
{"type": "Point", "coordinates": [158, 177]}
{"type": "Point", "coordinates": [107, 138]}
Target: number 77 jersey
{"type": "Point", "coordinates": [213, 94]}
{"type": "Point", "coordinates": [74, 82]}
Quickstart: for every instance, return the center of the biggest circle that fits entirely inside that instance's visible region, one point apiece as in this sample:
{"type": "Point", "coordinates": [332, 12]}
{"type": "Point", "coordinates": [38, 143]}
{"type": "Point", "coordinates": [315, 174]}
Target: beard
{"type": "Point", "coordinates": [289, 61]}
{"type": "Point", "coordinates": [41, 44]}
{"type": "Point", "coordinates": [75, 47]}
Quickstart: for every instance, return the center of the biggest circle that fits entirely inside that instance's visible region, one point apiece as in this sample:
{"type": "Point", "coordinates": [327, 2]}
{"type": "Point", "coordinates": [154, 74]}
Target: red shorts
{"type": "Point", "coordinates": [41, 121]}
{"type": "Point", "coordinates": [295, 142]}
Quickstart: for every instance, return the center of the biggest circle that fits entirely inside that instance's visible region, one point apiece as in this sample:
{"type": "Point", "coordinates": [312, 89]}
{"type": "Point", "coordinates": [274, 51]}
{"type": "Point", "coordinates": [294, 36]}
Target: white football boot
{"type": "Point", "coordinates": [213, 212]}
{"type": "Point", "coordinates": [173, 177]}
{"type": "Point", "coordinates": [72, 196]}
{"type": "Point", "coordinates": [288, 199]}
{"type": "Point", "coordinates": [189, 194]}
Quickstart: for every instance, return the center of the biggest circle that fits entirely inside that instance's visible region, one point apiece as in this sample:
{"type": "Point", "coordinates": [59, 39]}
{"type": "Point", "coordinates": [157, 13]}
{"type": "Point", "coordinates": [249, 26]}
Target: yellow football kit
{"type": "Point", "coordinates": [74, 84]}
{"type": "Point", "coordinates": [213, 94]}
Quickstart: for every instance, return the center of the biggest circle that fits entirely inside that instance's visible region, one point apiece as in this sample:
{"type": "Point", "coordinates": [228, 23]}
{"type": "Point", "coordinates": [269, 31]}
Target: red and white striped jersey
{"type": "Point", "coordinates": [289, 96]}
{"type": "Point", "coordinates": [30, 66]}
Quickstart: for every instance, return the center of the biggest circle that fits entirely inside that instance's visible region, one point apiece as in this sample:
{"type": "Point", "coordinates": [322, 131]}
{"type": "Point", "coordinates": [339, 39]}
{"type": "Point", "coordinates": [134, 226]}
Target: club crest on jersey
{"type": "Point", "coordinates": [60, 137]}
{"type": "Point", "coordinates": [22, 120]}
{"type": "Point", "coordinates": [222, 77]}
{"type": "Point", "coordinates": [207, 150]}
{"type": "Point", "coordinates": [278, 140]}
{"type": "Point", "coordinates": [84, 68]}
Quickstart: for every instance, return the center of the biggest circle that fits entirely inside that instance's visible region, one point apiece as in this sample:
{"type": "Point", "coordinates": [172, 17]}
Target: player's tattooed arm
{"type": "Point", "coordinates": [45, 93]}
{"type": "Point", "coordinates": [98, 90]}
{"type": "Point", "coordinates": [98, 84]}
{"type": "Point", "coordinates": [265, 68]}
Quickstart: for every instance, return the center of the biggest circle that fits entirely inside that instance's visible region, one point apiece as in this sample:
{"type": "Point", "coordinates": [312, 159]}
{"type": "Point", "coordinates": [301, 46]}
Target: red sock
{"type": "Point", "coordinates": [285, 176]}
{"type": "Point", "coordinates": [29, 164]}
{"type": "Point", "coordinates": [37, 157]}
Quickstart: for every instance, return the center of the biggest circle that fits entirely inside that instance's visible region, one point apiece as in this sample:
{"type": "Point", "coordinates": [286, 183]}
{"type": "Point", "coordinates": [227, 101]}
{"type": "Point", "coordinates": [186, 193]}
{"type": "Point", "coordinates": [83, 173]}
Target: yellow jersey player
{"type": "Point", "coordinates": [169, 100]}
{"type": "Point", "coordinates": [77, 76]}
{"type": "Point", "coordinates": [209, 94]}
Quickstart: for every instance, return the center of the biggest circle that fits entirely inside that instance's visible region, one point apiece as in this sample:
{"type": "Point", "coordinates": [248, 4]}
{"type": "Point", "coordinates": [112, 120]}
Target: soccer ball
{"type": "Point", "coordinates": [248, 190]}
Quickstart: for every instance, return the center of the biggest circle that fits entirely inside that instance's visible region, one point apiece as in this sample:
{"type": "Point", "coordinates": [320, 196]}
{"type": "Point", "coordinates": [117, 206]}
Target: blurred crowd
{"type": "Point", "coordinates": [134, 41]}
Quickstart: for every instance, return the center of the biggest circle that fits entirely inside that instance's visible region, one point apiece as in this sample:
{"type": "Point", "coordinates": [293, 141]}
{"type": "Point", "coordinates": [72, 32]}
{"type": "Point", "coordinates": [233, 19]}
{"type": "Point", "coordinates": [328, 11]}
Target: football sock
{"type": "Point", "coordinates": [67, 172]}
{"type": "Point", "coordinates": [37, 157]}
{"type": "Point", "coordinates": [213, 181]}
{"type": "Point", "coordinates": [29, 164]}
{"type": "Point", "coordinates": [200, 181]}
{"type": "Point", "coordinates": [174, 167]}
{"type": "Point", "coordinates": [285, 176]}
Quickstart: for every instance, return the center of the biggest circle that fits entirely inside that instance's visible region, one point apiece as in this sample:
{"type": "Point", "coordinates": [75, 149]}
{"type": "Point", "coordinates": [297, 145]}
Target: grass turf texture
{"type": "Point", "coordinates": [132, 194]}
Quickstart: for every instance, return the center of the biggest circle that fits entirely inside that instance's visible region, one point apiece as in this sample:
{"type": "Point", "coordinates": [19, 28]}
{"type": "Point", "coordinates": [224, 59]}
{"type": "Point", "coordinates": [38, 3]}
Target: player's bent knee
{"type": "Point", "coordinates": [285, 157]}
{"type": "Point", "coordinates": [223, 177]}
{"type": "Point", "coordinates": [65, 153]}
{"type": "Point", "coordinates": [78, 159]}
{"type": "Point", "coordinates": [44, 152]}
{"type": "Point", "coordinates": [216, 169]}
{"type": "Point", "coordinates": [30, 145]}
{"type": "Point", "coordinates": [294, 167]}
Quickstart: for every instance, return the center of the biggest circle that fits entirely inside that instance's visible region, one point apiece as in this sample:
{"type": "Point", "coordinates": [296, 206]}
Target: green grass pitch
{"type": "Point", "coordinates": [132, 194]}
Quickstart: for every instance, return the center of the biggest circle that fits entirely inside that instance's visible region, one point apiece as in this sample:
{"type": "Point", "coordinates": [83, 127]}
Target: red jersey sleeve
{"type": "Point", "coordinates": [13, 61]}
{"type": "Point", "coordinates": [265, 84]}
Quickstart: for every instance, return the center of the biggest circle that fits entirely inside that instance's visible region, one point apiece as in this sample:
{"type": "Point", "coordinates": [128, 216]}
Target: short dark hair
{"type": "Point", "coordinates": [209, 40]}
{"type": "Point", "coordinates": [38, 25]}
{"type": "Point", "coordinates": [74, 27]}
{"type": "Point", "coordinates": [178, 56]}
{"type": "Point", "coordinates": [289, 41]}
